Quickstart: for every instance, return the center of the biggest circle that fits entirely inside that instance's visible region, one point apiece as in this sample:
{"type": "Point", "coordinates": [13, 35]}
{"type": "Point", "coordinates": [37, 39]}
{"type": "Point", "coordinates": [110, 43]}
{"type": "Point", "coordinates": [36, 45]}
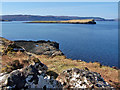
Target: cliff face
{"type": "Point", "coordinates": [24, 64]}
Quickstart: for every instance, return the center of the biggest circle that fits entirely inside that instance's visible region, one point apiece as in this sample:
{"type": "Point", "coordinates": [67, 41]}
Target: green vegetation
{"type": "Point", "coordinates": [12, 66]}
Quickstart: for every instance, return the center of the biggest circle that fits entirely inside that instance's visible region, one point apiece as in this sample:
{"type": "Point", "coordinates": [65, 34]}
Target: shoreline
{"type": "Point", "coordinates": [22, 54]}
{"type": "Point", "coordinates": [19, 43]}
{"type": "Point", "coordinates": [45, 41]}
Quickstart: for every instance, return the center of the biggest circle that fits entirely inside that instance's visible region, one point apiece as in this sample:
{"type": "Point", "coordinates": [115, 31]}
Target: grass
{"type": "Point", "coordinates": [59, 63]}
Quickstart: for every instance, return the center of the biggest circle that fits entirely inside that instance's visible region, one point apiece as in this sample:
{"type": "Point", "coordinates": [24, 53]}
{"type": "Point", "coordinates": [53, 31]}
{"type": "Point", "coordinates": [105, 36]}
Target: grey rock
{"type": "Point", "coordinates": [32, 76]}
{"type": "Point", "coordinates": [76, 78]}
{"type": "Point", "coordinates": [36, 76]}
{"type": "Point", "coordinates": [40, 47]}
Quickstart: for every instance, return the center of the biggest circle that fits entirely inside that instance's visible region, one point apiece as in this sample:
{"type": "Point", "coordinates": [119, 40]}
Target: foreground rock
{"type": "Point", "coordinates": [33, 76]}
{"type": "Point", "coordinates": [76, 78]}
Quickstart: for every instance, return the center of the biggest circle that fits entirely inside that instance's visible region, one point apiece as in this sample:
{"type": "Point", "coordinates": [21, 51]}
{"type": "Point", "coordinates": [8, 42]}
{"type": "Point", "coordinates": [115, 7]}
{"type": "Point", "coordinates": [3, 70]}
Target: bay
{"type": "Point", "coordinates": [88, 42]}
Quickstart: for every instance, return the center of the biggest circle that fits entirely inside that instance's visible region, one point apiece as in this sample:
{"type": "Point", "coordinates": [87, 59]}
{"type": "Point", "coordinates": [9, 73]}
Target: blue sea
{"type": "Point", "coordinates": [85, 42]}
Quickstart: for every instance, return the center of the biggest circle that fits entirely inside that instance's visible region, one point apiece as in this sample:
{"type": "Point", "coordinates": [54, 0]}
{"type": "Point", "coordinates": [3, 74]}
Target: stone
{"type": "Point", "coordinates": [76, 78]}
{"type": "Point", "coordinates": [32, 76]}
{"type": "Point", "coordinates": [40, 47]}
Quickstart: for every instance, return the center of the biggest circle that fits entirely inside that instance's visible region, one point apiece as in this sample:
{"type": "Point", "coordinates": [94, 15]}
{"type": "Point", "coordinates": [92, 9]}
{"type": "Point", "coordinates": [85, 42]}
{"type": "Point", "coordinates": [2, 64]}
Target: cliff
{"type": "Point", "coordinates": [22, 67]}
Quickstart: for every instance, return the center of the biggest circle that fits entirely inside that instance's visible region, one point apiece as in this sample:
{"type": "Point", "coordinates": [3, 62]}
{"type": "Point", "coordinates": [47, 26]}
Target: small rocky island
{"type": "Point", "coordinates": [82, 21]}
{"type": "Point", "coordinates": [40, 64]}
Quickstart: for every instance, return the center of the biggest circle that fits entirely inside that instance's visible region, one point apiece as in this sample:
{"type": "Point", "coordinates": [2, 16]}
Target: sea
{"type": "Point", "coordinates": [87, 42]}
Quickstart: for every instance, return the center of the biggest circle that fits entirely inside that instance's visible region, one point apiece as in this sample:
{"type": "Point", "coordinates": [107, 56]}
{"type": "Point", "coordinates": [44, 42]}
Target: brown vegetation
{"type": "Point", "coordinates": [83, 21]}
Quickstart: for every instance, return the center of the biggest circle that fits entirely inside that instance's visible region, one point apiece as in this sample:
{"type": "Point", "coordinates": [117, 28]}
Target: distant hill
{"type": "Point", "coordinates": [48, 18]}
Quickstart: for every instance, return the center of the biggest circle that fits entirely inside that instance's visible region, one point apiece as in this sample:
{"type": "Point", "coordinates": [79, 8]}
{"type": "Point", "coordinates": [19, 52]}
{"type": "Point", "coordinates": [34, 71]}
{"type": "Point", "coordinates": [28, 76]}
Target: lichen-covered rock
{"type": "Point", "coordinates": [76, 78]}
{"type": "Point", "coordinates": [32, 76]}
{"type": "Point", "coordinates": [35, 76]}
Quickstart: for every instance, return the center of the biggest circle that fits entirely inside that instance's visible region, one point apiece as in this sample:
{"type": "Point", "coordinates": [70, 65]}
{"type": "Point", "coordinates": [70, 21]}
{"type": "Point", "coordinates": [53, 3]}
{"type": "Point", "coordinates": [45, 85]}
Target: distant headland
{"type": "Point", "coordinates": [49, 18]}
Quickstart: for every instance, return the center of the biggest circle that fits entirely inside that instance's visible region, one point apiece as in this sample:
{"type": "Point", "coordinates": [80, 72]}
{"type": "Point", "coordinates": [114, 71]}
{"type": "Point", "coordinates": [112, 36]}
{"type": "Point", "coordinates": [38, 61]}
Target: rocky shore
{"type": "Point", "coordinates": [40, 64]}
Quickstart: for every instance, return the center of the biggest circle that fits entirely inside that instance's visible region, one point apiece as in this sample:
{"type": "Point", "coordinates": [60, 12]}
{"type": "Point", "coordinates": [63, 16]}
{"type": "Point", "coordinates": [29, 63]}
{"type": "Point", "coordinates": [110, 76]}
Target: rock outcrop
{"type": "Point", "coordinates": [35, 76]}
{"type": "Point", "coordinates": [40, 47]}
{"type": "Point", "coordinates": [76, 78]}
{"type": "Point", "coordinates": [32, 76]}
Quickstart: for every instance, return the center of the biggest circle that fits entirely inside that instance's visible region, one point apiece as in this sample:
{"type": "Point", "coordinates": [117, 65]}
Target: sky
{"type": "Point", "coordinates": [82, 9]}
{"type": "Point", "coordinates": [60, 0]}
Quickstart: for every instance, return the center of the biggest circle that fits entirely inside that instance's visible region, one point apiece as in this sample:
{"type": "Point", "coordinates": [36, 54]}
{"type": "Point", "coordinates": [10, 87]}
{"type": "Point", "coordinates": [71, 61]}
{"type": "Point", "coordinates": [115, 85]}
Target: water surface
{"type": "Point", "coordinates": [77, 41]}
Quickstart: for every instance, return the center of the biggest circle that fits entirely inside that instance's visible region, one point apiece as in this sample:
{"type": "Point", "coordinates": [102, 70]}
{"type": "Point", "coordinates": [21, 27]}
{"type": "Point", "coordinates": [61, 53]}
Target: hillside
{"type": "Point", "coordinates": [48, 18]}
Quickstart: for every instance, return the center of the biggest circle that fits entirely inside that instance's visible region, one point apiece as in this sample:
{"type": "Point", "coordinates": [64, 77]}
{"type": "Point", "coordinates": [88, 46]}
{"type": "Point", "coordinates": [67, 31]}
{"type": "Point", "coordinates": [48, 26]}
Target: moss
{"type": "Point", "coordinates": [12, 66]}
{"type": "Point", "coordinates": [7, 68]}
{"type": "Point", "coordinates": [3, 69]}
{"type": "Point", "coordinates": [36, 60]}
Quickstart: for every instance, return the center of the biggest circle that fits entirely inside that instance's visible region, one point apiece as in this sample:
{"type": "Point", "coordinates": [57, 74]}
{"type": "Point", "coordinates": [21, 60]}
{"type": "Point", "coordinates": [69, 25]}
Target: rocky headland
{"type": "Point", "coordinates": [40, 64]}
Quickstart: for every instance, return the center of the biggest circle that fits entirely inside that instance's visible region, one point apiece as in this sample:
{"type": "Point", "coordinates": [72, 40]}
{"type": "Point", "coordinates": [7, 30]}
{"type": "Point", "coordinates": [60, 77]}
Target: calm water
{"type": "Point", "coordinates": [77, 41]}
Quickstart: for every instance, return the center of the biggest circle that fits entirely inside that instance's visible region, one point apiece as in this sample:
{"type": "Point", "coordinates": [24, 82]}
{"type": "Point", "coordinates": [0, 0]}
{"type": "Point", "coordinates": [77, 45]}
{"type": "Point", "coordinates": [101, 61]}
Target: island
{"type": "Point", "coordinates": [82, 21]}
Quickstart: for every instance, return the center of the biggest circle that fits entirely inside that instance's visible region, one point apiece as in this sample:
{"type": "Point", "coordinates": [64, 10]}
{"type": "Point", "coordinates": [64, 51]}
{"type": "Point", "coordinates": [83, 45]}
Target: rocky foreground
{"type": "Point", "coordinates": [35, 76]}
{"type": "Point", "coordinates": [40, 64]}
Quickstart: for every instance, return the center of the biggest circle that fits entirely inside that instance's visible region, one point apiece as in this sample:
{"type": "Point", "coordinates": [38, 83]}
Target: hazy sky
{"type": "Point", "coordinates": [83, 9]}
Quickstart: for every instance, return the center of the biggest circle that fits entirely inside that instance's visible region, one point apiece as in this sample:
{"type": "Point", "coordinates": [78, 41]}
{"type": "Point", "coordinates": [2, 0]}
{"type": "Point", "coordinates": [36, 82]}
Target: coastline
{"type": "Point", "coordinates": [55, 61]}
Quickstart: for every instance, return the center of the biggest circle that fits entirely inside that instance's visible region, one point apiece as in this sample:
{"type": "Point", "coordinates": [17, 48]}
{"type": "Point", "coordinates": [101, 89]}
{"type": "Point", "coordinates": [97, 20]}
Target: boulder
{"type": "Point", "coordinates": [76, 78]}
{"type": "Point", "coordinates": [32, 76]}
